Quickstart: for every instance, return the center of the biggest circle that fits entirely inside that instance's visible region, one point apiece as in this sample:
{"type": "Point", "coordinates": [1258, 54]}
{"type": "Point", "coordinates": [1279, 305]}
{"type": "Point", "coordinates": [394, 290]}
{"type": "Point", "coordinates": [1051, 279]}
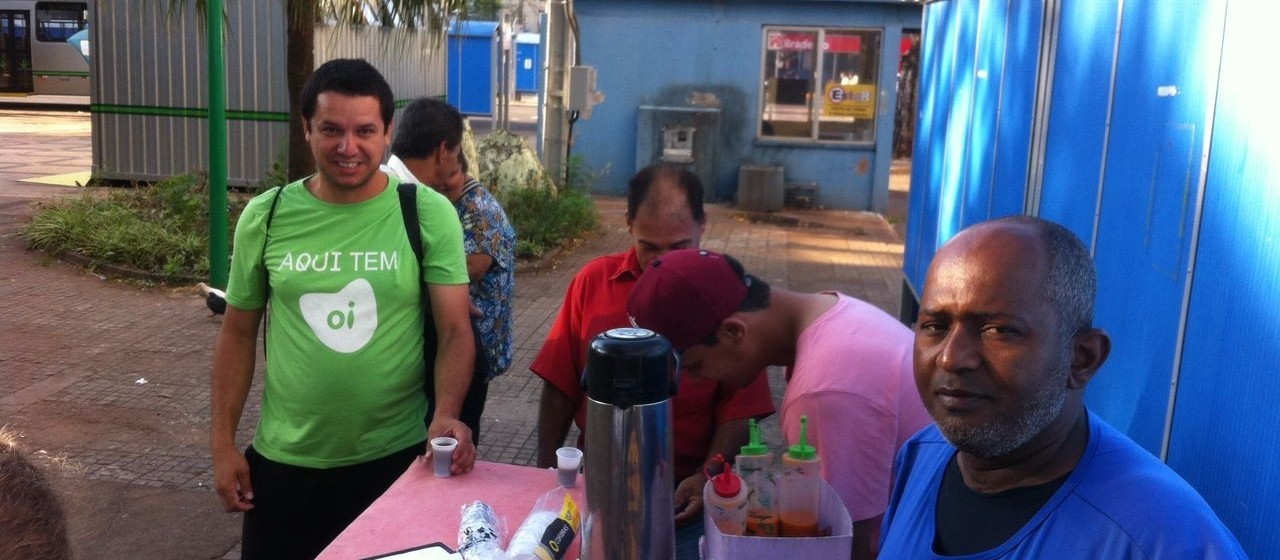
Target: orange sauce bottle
{"type": "Point", "coordinates": [800, 487]}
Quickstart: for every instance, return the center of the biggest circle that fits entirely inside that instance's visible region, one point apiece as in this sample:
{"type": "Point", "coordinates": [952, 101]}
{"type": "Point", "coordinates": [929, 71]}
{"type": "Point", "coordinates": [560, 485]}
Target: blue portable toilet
{"type": "Point", "coordinates": [528, 57]}
{"type": "Point", "coordinates": [473, 48]}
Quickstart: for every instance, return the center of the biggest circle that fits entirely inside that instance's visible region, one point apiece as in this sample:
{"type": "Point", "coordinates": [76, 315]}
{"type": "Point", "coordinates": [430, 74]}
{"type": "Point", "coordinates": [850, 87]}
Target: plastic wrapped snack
{"type": "Point", "coordinates": [548, 531]}
{"type": "Point", "coordinates": [480, 533]}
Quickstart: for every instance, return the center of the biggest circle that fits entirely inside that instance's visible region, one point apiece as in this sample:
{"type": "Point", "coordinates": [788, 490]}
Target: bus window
{"type": "Point", "coordinates": [56, 21]}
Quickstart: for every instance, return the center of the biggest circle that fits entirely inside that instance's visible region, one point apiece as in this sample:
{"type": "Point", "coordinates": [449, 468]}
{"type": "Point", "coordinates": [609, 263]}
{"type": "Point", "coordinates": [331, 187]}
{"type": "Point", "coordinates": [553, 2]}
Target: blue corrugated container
{"type": "Point", "coordinates": [473, 48]}
{"type": "Point", "coordinates": [1150, 130]}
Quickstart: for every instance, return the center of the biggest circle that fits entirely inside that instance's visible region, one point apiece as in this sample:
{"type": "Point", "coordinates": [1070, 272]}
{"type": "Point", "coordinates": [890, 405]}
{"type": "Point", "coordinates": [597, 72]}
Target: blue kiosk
{"type": "Point", "coordinates": [473, 49]}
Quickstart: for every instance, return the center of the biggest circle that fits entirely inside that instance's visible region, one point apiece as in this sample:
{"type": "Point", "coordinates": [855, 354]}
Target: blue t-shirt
{"type": "Point", "coordinates": [486, 230]}
{"type": "Point", "coordinates": [1120, 502]}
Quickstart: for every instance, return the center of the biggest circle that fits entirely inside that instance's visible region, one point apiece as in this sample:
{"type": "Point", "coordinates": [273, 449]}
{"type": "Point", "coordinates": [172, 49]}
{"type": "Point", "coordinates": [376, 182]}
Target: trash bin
{"type": "Point", "coordinates": [760, 188]}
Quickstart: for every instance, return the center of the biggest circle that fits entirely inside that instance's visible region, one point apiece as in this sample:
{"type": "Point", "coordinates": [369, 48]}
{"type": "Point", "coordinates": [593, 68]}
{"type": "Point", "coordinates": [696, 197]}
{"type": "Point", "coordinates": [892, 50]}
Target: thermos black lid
{"type": "Point", "coordinates": [629, 366]}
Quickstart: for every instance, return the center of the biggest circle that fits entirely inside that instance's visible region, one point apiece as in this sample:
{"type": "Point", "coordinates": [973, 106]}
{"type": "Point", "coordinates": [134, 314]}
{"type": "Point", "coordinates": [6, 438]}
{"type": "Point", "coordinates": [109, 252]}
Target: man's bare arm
{"type": "Point", "coordinates": [477, 266]}
{"type": "Point", "coordinates": [555, 412]}
{"type": "Point", "coordinates": [233, 363]}
{"type": "Point", "coordinates": [455, 362]}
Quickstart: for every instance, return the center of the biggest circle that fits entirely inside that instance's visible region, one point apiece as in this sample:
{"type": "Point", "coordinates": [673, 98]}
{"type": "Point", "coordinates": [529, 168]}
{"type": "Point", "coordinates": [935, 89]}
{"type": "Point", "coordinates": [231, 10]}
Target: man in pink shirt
{"type": "Point", "coordinates": [849, 366]}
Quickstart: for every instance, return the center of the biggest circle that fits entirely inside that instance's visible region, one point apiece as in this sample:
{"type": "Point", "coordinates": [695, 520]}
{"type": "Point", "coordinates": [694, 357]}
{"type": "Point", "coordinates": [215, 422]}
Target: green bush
{"type": "Point", "coordinates": [161, 228]}
{"type": "Point", "coordinates": [546, 217]}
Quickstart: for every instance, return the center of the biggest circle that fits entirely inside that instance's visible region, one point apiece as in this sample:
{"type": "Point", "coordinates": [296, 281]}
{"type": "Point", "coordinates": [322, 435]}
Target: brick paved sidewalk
{"type": "Point", "coordinates": [110, 379]}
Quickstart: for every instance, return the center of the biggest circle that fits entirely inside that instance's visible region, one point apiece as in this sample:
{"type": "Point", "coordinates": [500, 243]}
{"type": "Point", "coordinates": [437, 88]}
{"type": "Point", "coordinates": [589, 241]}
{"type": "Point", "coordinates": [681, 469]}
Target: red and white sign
{"type": "Point", "coordinates": [778, 41]}
{"type": "Point", "coordinates": [849, 44]}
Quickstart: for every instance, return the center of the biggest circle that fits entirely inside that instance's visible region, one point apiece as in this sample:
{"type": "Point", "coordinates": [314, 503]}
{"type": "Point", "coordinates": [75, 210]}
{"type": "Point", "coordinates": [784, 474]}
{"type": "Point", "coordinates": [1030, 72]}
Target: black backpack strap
{"type": "Point", "coordinates": [266, 232]}
{"type": "Point", "coordinates": [409, 211]}
{"type": "Point", "coordinates": [266, 275]}
{"type": "Point", "coordinates": [476, 393]}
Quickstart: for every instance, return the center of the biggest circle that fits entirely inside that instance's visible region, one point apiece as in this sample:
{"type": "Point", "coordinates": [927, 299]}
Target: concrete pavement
{"type": "Point", "coordinates": [108, 380]}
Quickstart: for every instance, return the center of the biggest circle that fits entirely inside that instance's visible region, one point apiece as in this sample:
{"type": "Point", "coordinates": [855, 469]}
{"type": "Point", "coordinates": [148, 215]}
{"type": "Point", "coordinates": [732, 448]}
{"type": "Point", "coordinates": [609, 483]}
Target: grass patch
{"type": "Point", "coordinates": [162, 228]}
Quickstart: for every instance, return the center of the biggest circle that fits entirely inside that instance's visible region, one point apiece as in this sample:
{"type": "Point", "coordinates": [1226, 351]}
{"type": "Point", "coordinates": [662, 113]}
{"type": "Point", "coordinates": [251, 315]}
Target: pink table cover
{"type": "Point", "coordinates": [421, 509]}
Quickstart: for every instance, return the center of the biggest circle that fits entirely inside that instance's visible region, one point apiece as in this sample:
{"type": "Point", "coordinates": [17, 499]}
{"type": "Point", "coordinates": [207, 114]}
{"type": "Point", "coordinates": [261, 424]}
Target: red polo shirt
{"type": "Point", "coordinates": [596, 302]}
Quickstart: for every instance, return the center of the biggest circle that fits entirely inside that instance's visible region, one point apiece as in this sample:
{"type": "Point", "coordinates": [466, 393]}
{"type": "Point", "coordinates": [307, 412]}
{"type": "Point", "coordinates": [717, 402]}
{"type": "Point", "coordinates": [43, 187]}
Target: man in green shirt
{"type": "Point", "coordinates": [343, 394]}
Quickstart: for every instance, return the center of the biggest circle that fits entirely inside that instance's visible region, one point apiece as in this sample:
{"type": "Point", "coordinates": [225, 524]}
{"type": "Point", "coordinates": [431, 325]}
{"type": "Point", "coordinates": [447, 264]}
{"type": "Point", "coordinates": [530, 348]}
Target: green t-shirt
{"type": "Point", "coordinates": [344, 381]}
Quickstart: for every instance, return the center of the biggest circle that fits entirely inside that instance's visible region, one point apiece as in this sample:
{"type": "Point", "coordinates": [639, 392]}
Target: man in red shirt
{"type": "Point", "coordinates": [664, 212]}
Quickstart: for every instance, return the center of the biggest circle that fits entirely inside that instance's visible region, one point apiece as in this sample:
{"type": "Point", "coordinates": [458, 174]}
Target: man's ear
{"type": "Point", "coordinates": [732, 329]}
{"type": "Point", "coordinates": [306, 128]}
{"type": "Point", "coordinates": [441, 152]}
{"type": "Point", "coordinates": [1089, 350]}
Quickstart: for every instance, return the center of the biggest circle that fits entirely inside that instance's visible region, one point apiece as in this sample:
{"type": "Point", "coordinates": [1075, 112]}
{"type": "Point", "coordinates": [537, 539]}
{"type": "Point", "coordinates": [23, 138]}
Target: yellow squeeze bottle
{"type": "Point", "coordinates": [800, 487]}
{"type": "Point", "coordinates": [755, 466]}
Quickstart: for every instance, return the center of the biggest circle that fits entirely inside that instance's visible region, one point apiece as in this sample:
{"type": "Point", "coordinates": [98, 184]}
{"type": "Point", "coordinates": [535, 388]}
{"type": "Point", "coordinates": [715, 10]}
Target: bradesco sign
{"type": "Point", "coordinates": [779, 41]}
{"type": "Point", "coordinates": [800, 41]}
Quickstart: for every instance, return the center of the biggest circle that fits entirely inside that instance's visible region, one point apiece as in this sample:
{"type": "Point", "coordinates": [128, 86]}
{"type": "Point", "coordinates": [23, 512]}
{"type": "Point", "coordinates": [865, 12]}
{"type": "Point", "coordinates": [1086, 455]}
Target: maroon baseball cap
{"type": "Point", "coordinates": [685, 294]}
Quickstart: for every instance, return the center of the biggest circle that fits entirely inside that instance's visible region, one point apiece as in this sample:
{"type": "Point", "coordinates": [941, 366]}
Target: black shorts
{"type": "Point", "coordinates": [298, 511]}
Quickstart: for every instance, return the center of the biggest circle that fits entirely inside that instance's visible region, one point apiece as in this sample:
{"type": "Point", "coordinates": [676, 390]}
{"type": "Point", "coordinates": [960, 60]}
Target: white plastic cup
{"type": "Point", "coordinates": [568, 459]}
{"type": "Point", "coordinates": [442, 455]}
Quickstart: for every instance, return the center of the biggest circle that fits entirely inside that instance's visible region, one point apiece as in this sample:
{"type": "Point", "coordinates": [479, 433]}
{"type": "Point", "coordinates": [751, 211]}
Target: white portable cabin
{"type": "Point", "coordinates": [149, 100]}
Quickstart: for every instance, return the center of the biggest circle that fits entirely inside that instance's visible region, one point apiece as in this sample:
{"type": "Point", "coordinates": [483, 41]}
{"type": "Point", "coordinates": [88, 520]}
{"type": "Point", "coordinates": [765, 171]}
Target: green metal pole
{"type": "Point", "coordinates": [218, 261]}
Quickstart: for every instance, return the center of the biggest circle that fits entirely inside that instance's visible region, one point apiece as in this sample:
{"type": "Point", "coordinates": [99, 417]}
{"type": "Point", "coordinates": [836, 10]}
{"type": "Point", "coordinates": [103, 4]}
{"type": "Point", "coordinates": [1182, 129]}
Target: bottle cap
{"type": "Point", "coordinates": [726, 484]}
{"type": "Point", "coordinates": [802, 450]}
{"type": "Point", "coordinates": [754, 447]}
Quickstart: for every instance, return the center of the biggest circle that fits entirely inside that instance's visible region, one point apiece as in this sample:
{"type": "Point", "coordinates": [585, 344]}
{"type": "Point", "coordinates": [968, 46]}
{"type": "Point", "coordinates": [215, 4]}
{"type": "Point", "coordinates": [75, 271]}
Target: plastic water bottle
{"type": "Point", "coordinates": [480, 533]}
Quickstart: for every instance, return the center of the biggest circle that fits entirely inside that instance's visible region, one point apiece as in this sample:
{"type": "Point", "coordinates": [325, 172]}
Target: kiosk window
{"type": "Point", "coordinates": [56, 21]}
{"type": "Point", "coordinates": [819, 84]}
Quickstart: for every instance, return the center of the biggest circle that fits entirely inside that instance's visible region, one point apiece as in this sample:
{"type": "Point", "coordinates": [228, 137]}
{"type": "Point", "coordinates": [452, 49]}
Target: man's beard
{"type": "Point", "coordinates": [1005, 434]}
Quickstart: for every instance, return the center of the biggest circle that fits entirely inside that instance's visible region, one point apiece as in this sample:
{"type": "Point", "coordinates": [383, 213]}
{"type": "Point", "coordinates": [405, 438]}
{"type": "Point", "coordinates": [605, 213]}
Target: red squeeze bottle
{"type": "Point", "coordinates": [726, 503]}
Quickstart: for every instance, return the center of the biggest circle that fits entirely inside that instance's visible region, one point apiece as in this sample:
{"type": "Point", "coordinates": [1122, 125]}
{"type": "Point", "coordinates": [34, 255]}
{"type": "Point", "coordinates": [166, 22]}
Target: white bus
{"type": "Point", "coordinates": [35, 57]}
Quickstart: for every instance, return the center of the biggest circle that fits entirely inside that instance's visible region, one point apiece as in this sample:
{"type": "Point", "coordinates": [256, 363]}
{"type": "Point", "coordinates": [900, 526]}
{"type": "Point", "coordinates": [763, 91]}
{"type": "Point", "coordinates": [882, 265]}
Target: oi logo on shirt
{"type": "Point", "coordinates": [344, 321]}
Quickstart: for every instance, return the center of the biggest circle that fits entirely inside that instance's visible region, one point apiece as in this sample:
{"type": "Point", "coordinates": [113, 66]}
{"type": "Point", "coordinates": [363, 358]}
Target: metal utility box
{"type": "Point", "coordinates": [685, 136]}
{"type": "Point", "coordinates": [528, 62]}
{"type": "Point", "coordinates": [473, 50]}
{"type": "Point", "coordinates": [581, 94]}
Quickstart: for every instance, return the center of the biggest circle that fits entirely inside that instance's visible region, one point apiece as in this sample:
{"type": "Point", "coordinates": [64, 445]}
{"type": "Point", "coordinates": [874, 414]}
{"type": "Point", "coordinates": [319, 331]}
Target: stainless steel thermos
{"type": "Point", "coordinates": [629, 380]}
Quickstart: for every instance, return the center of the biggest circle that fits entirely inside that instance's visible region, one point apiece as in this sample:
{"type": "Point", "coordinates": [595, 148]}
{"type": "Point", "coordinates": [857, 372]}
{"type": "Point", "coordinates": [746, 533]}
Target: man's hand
{"type": "Point", "coordinates": [231, 479]}
{"type": "Point", "coordinates": [464, 456]}
{"type": "Point", "coordinates": [555, 413]}
{"type": "Point", "coordinates": [688, 498]}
